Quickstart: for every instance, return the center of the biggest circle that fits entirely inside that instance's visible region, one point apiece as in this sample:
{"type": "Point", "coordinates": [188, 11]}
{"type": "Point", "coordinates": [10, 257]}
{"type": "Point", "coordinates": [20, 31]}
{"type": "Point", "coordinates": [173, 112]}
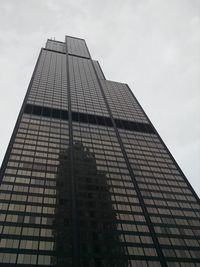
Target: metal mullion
{"type": "Point", "coordinates": [75, 235]}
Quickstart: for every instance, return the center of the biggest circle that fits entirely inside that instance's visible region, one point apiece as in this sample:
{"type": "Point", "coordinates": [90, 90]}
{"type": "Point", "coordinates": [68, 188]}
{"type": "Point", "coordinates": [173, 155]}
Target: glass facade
{"type": "Point", "coordinates": [86, 180]}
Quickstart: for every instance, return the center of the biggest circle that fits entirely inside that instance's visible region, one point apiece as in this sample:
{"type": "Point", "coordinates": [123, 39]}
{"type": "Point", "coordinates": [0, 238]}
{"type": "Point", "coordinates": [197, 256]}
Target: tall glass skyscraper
{"type": "Point", "coordinates": [86, 180]}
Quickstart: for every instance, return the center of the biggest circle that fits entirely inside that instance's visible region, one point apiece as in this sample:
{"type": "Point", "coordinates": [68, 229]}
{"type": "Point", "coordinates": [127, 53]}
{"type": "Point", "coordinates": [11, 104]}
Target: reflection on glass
{"type": "Point", "coordinates": [99, 241]}
{"type": "Point", "coordinates": [63, 222]}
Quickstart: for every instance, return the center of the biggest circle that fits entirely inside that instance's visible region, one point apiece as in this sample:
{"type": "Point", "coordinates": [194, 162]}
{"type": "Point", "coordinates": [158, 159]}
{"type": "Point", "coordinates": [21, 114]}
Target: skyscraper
{"type": "Point", "coordinates": [86, 179]}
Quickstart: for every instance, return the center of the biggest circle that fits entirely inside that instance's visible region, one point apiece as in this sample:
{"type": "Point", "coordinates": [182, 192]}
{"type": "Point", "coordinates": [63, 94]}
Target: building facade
{"type": "Point", "coordinates": [86, 179]}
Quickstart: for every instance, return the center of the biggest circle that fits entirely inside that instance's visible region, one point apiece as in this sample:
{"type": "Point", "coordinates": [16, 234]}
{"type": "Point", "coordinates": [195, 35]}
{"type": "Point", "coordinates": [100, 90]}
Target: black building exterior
{"type": "Point", "coordinates": [86, 179]}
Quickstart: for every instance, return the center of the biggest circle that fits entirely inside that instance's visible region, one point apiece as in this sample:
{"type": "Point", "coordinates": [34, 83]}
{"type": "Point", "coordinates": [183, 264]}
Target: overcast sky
{"type": "Point", "coordinates": [153, 45]}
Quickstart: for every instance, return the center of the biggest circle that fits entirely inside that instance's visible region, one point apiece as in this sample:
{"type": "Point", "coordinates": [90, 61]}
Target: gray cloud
{"type": "Point", "coordinates": [153, 45]}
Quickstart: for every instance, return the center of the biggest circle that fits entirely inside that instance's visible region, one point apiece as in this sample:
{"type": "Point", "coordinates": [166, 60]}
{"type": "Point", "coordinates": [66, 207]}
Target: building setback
{"type": "Point", "coordinates": [86, 179]}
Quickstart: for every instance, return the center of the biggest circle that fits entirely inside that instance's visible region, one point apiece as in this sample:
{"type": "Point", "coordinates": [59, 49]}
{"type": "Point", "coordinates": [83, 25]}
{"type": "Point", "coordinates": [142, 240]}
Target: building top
{"type": "Point", "coordinates": [75, 46]}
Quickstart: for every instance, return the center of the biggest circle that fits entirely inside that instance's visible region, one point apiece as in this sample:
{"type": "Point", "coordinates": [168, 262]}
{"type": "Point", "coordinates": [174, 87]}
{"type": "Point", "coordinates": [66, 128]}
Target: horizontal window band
{"type": "Point", "coordinates": [88, 118]}
{"type": "Point", "coordinates": [76, 55]}
{"type": "Point", "coordinates": [134, 126]}
{"type": "Point", "coordinates": [52, 50]}
{"type": "Point", "coordinates": [46, 112]}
